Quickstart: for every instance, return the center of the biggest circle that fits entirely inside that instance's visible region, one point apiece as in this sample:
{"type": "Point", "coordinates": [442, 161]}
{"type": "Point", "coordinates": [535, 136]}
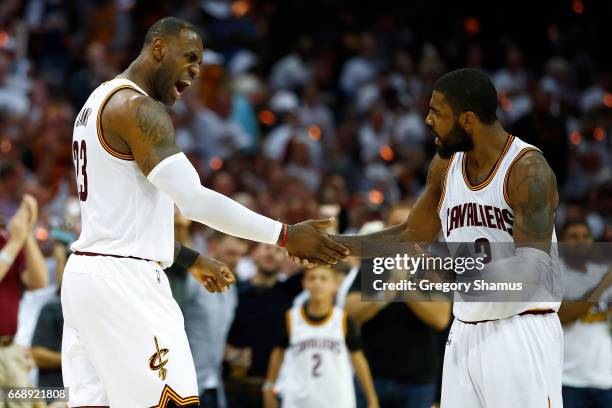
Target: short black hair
{"type": "Point", "coordinates": [575, 221]}
{"type": "Point", "coordinates": [169, 27]}
{"type": "Point", "coordinates": [469, 89]}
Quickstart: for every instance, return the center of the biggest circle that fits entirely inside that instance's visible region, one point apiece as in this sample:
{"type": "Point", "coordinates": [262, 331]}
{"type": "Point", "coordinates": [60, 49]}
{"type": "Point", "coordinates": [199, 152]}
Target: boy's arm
{"type": "Point", "coordinates": [362, 369]}
{"type": "Point", "coordinates": [276, 360]}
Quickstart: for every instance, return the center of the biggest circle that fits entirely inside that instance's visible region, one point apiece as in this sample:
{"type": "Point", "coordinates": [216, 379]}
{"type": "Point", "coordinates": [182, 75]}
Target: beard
{"type": "Point", "coordinates": [268, 270]}
{"type": "Point", "coordinates": [457, 140]}
{"type": "Point", "coordinates": [162, 85]}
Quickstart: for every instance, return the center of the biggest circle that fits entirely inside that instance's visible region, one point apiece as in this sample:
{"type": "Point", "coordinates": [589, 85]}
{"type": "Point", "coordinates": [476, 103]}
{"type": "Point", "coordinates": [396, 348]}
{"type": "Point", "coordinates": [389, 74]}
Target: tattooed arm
{"type": "Point", "coordinates": [532, 190]}
{"type": "Point", "coordinates": [142, 125]}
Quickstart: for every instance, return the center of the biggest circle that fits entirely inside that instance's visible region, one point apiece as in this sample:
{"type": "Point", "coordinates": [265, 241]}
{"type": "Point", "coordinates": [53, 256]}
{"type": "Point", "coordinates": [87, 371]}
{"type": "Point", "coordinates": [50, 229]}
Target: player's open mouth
{"type": "Point", "coordinates": [179, 87]}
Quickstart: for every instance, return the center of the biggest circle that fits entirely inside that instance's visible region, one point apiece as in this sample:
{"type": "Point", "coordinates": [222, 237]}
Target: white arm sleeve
{"type": "Point", "coordinates": [177, 177]}
{"type": "Point", "coordinates": [536, 271]}
{"type": "Point", "coordinates": [527, 265]}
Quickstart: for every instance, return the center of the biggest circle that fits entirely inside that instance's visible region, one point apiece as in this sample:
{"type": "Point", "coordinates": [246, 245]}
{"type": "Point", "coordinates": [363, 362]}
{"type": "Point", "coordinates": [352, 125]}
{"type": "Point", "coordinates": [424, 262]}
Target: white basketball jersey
{"type": "Point", "coordinates": [319, 371]}
{"type": "Point", "coordinates": [122, 213]}
{"type": "Point", "coordinates": [482, 215]}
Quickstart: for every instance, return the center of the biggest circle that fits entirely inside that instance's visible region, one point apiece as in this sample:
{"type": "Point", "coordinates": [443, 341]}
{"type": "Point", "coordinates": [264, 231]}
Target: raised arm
{"type": "Point", "coordinates": [532, 192]}
{"type": "Point", "coordinates": [422, 225]}
{"type": "Point", "coordinates": [145, 127]}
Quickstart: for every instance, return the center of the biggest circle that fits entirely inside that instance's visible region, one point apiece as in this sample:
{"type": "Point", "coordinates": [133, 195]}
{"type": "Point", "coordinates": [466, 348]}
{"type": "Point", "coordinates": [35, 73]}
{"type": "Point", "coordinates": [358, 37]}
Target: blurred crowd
{"type": "Point", "coordinates": [286, 119]}
{"type": "Point", "coordinates": [305, 109]}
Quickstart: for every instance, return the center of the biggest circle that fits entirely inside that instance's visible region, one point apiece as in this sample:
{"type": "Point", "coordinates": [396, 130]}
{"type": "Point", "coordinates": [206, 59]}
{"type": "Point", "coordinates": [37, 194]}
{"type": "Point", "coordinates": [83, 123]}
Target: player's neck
{"type": "Point", "coordinates": [318, 307]}
{"type": "Point", "coordinates": [488, 145]}
{"type": "Point", "coordinates": [137, 72]}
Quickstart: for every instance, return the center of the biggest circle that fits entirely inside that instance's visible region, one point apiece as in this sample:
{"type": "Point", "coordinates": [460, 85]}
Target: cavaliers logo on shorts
{"type": "Point", "coordinates": [157, 362]}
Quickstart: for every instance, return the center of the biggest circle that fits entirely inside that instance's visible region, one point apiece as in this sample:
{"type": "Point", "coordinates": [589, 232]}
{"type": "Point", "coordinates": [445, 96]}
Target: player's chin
{"type": "Point", "coordinates": [170, 97]}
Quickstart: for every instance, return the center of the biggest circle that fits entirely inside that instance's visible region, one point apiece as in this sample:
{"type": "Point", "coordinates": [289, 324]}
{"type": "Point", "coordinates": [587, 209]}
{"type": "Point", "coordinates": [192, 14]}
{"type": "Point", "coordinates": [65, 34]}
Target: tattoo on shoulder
{"type": "Point", "coordinates": [154, 125]}
{"type": "Point", "coordinates": [535, 202]}
{"type": "Point", "coordinates": [536, 209]}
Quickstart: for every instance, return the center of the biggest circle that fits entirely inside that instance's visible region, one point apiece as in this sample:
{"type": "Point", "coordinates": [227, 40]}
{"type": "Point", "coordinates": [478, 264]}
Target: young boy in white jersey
{"type": "Point", "coordinates": [323, 343]}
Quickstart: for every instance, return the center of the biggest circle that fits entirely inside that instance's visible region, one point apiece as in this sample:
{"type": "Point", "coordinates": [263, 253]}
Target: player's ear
{"type": "Point", "coordinates": [467, 120]}
{"type": "Point", "coordinates": [159, 48]}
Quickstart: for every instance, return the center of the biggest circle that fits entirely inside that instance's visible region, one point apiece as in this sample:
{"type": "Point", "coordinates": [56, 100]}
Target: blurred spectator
{"type": "Point", "coordinates": [299, 164]}
{"type": "Point", "coordinates": [585, 315]}
{"type": "Point", "coordinates": [47, 340]}
{"type": "Point", "coordinates": [375, 133]}
{"type": "Point", "coordinates": [98, 68]}
{"type": "Point", "coordinates": [11, 186]}
{"type": "Point", "coordinates": [276, 145]}
{"type": "Point", "coordinates": [208, 317]}
{"type": "Point", "coordinates": [261, 303]}
{"type": "Point", "coordinates": [546, 131]}
{"type": "Point", "coordinates": [293, 71]}
{"type": "Point", "coordinates": [362, 68]}
{"type": "Point", "coordinates": [400, 340]}
{"type": "Point", "coordinates": [316, 116]}
{"type": "Point", "coordinates": [511, 84]}
{"type": "Point", "coordinates": [13, 88]}
{"type": "Point", "coordinates": [211, 132]}
{"type": "Point", "coordinates": [21, 265]}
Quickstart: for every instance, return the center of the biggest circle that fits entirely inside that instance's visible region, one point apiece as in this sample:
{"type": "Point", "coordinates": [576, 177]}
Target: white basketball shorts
{"type": "Point", "coordinates": [124, 343]}
{"type": "Point", "coordinates": [508, 363]}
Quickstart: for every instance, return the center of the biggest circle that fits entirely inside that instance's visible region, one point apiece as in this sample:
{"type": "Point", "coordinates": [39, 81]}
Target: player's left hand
{"type": "Point", "coordinates": [214, 275]}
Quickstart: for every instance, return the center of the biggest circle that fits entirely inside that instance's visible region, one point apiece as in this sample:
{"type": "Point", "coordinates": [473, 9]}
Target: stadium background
{"type": "Point", "coordinates": [305, 107]}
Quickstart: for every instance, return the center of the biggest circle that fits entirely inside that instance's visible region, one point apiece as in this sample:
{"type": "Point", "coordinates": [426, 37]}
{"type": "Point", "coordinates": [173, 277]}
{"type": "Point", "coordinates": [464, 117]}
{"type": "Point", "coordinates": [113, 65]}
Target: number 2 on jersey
{"type": "Point", "coordinates": [79, 154]}
{"type": "Point", "coordinates": [316, 372]}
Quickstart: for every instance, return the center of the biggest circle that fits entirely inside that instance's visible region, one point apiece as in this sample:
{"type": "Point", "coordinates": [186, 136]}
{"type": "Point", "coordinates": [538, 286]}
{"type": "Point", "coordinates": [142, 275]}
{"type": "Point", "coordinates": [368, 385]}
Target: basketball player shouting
{"type": "Point", "coordinates": [499, 354]}
{"type": "Point", "coordinates": [124, 342]}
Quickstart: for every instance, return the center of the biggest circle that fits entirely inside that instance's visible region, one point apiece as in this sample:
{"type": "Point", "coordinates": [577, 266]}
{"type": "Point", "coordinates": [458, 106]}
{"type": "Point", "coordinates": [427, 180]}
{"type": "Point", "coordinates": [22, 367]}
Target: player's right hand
{"type": "Point", "coordinates": [214, 275]}
{"type": "Point", "coordinates": [308, 241]}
